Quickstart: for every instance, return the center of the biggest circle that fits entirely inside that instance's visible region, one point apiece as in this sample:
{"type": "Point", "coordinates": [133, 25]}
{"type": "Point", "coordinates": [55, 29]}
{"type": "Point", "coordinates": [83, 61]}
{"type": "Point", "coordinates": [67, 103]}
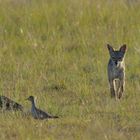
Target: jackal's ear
{"type": "Point", "coordinates": [123, 48]}
{"type": "Point", "coordinates": [110, 48]}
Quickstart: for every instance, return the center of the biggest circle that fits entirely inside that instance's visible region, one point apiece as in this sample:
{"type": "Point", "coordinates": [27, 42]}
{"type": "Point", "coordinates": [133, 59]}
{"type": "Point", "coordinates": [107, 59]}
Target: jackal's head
{"type": "Point", "coordinates": [117, 55]}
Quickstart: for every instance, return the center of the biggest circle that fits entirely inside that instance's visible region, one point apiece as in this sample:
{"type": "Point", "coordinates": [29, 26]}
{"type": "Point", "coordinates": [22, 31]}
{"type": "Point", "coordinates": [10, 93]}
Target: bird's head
{"type": "Point", "coordinates": [30, 98]}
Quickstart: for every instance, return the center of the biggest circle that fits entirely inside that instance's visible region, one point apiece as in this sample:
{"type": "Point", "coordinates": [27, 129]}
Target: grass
{"type": "Point", "coordinates": [56, 51]}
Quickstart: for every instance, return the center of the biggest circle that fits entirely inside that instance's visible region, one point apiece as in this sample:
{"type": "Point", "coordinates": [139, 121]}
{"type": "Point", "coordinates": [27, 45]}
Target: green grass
{"type": "Point", "coordinates": [56, 51]}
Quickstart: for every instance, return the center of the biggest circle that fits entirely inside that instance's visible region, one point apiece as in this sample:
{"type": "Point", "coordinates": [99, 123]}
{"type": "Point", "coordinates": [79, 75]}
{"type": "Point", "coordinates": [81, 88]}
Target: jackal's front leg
{"type": "Point", "coordinates": [112, 88]}
{"type": "Point", "coordinates": [121, 90]}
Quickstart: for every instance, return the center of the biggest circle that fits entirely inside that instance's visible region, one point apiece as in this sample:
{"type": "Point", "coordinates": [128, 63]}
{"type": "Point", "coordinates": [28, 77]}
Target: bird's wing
{"type": "Point", "coordinates": [45, 114]}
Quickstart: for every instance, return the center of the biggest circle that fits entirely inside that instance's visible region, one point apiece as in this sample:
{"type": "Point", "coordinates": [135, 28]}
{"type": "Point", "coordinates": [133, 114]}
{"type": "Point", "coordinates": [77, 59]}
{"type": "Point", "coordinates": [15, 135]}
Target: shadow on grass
{"type": "Point", "coordinates": [57, 87]}
{"type": "Point", "coordinates": [114, 116]}
{"type": "Point", "coordinates": [130, 129]}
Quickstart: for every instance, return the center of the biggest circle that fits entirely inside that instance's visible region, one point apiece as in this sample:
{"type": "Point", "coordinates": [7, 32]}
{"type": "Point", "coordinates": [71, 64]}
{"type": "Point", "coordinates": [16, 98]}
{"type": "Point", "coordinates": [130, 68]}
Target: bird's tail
{"type": "Point", "coordinates": [53, 117]}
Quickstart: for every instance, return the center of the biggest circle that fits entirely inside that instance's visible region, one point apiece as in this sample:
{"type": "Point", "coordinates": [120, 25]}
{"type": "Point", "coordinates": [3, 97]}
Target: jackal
{"type": "Point", "coordinates": [116, 71]}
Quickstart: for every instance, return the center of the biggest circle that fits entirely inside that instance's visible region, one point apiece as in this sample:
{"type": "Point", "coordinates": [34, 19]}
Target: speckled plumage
{"type": "Point", "coordinates": [8, 104]}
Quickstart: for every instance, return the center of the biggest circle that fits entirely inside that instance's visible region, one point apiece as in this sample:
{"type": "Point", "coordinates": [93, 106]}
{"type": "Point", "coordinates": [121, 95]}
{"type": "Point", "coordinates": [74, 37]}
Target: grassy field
{"type": "Point", "coordinates": [56, 51]}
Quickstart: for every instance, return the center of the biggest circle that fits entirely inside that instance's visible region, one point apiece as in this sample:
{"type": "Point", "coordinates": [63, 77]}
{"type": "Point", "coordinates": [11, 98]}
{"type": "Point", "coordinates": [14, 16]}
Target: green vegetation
{"type": "Point", "coordinates": [56, 51]}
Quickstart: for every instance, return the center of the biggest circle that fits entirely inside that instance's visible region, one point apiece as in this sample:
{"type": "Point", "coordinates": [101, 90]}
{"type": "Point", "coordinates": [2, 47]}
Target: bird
{"type": "Point", "coordinates": [37, 113]}
{"type": "Point", "coordinates": [8, 104]}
